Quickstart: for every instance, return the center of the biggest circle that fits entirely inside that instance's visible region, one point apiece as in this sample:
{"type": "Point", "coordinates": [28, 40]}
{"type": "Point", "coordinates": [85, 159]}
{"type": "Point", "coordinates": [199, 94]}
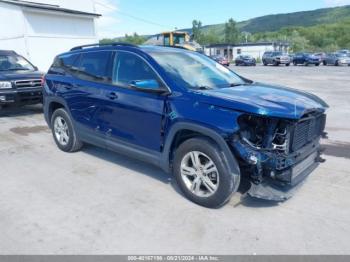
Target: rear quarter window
{"type": "Point", "coordinates": [64, 63]}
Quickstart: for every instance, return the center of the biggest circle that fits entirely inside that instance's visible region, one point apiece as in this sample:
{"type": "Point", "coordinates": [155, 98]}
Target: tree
{"type": "Point", "coordinates": [232, 34]}
{"type": "Point", "coordinates": [106, 41]}
{"type": "Point", "coordinates": [211, 37]}
{"type": "Point", "coordinates": [134, 39]}
{"type": "Point", "coordinates": [197, 30]}
{"type": "Point", "coordinates": [299, 43]}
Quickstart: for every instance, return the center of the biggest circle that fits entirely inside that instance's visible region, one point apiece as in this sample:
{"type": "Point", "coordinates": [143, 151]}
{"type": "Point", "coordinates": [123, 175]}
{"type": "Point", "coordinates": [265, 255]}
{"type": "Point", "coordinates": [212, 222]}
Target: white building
{"type": "Point", "coordinates": [254, 49]}
{"type": "Point", "coordinates": [39, 30]}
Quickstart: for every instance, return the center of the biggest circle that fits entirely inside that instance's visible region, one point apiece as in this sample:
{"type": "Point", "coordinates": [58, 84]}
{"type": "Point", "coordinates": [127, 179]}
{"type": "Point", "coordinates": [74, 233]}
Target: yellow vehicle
{"type": "Point", "coordinates": [176, 39]}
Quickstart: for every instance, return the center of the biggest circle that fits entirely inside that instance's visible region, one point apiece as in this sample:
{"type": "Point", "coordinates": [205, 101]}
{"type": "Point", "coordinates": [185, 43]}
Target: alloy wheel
{"type": "Point", "coordinates": [200, 174]}
{"type": "Point", "coordinates": [61, 131]}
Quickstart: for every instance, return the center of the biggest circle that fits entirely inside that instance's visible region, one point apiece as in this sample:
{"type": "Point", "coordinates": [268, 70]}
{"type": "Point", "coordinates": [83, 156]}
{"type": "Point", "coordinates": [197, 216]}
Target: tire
{"type": "Point", "coordinates": [317, 64]}
{"type": "Point", "coordinates": [287, 64]}
{"type": "Point", "coordinates": [225, 184]}
{"type": "Point", "coordinates": [264, 63]}
{"type": "Point", "coordinates": [295, 63]}
{"type": "Point", "coordinates": [324, 63]}
{"type": "Point", "coordinates": [336, 63]}
{"type": "Point", "coordinates": [62, 127]}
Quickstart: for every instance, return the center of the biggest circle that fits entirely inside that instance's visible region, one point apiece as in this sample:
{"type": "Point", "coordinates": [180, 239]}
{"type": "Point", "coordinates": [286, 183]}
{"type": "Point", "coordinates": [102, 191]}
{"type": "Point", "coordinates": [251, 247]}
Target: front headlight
{"type": "Point", "coordinates": [5, 85]}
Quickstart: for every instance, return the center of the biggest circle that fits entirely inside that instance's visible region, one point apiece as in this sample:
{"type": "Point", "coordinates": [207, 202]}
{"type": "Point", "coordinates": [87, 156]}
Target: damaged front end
{"type": "Point", "coordinates": [278, 154]}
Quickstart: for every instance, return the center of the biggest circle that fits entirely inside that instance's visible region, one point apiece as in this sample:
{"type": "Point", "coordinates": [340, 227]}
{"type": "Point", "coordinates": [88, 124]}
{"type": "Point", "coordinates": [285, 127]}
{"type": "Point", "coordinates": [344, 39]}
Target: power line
{"type": "Point", "coordinates": [144, 20]}
{"type": "Point", "coordinates": [112, 8]}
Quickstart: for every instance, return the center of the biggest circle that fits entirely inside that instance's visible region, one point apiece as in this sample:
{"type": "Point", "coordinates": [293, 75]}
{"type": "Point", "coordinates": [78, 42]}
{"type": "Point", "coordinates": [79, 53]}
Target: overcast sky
{"type": "Point", "coordinates": [154, 16]}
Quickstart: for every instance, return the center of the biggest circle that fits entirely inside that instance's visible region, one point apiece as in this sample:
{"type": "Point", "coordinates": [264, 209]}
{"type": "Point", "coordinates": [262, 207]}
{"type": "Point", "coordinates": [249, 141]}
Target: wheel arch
{"type": "Point", "coordinates": [181, 132]}
{"type": "Point", "coordinates": [51, 106]}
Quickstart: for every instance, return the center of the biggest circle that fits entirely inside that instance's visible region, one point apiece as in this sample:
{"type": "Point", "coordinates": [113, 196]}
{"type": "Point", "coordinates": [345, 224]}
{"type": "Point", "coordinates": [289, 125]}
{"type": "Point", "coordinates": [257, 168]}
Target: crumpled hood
{"type": "Point", "coordinates": [267, 100]}
{"type": "Point", "coordinates": [19, 75]}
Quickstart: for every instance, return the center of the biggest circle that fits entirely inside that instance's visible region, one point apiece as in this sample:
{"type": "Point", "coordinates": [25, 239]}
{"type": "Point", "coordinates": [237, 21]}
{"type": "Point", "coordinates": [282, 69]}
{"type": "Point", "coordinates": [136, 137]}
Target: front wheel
{"type": "Point", "coordinates": [202, 175]}
{"type": "Point", "coordinates": [288, 64]}
{"type": "Point", "coordinates": [63, 132]}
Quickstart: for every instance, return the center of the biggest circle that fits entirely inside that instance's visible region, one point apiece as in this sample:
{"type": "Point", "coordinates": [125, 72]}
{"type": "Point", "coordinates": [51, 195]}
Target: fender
{"type": "Point", "coordinates": [227, 155]}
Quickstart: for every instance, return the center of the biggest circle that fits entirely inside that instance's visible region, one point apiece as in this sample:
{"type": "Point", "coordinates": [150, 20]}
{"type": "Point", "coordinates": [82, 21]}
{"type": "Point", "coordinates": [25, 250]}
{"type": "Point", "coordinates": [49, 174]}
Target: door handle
{"type": "Point", "coordinates": [112, 96]}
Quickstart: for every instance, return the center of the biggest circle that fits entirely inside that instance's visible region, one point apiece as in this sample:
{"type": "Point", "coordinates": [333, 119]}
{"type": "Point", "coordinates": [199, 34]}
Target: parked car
{"type": "Point", "coordinates": [321, 56]}
{"type": "Point", "coordinates": [245, 60]}
{"type": "Point", "coordinates": [275, 58]}
{"type": "Point", "coordinates": [222, 60]}
{"type": "Point", "coordinates": [20, 81]}
{"type": "Point", "coordinates": [337, 59]}
{"type": "Point", "coordinates": [344, 51]}
{"type": "Point", "coordinates": [306, 59]}
{"type": "Point", "coordinates": [187, 114]}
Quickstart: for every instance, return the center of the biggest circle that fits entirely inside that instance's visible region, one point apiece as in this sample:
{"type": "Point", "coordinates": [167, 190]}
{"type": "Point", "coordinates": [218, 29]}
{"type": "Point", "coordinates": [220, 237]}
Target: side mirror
{"type": "Point", "coordinates": [148, 85]}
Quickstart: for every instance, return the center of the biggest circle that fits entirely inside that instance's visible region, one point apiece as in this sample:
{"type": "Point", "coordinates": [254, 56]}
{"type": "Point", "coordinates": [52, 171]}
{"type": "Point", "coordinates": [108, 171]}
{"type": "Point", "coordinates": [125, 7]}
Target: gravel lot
{"type": "Point", "coordinates": [98, 202]}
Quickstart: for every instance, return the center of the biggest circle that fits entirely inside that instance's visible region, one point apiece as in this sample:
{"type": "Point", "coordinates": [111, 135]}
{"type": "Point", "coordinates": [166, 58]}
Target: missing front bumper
{"type": "Point", "coordinates": [273, 190]}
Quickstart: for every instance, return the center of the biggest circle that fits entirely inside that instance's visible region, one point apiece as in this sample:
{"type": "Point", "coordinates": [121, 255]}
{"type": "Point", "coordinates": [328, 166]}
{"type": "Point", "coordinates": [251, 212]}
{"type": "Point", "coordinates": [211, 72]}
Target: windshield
{"type": "Point", "coordinates": [179, 39]}
{"type": "Point", "coordinates": [277, 53]}
{"type": "Point", "coordinates": [14, 62]}
{"type": "Point", "coordinates": [195, 71]}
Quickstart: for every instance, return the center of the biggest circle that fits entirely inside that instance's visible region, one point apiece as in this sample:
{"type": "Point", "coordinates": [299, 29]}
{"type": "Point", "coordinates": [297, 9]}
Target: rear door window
{"type": "Point", "coordinates": [95, 66]}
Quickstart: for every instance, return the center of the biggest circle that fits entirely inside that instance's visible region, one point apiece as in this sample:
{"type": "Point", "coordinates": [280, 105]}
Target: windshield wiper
{"type": "Point", "coordinates": [238, 84]}
{"type": "Point", "coordinates": [17, 69]}
{"type": "Point", "coordinates": [204, 88]}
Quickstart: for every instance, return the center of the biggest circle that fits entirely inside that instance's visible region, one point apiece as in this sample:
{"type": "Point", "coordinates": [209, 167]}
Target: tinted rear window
{"type": "Point", "coordinates": [64, 63]}
{"type": "Point", "coordinates": [96, 64]}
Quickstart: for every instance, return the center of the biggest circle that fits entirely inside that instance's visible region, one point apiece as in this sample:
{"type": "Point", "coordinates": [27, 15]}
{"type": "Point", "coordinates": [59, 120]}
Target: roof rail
{"type": "Point", "coordinates": [98, 45]}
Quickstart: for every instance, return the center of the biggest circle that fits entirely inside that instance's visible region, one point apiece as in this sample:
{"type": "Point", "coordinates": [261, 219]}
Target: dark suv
{"type": "Point", "coordinates": [20, 81]}
{"type": "Point", "coordinates": [306, 59]}
{"type": "Point", "coordinates": [187, 114]}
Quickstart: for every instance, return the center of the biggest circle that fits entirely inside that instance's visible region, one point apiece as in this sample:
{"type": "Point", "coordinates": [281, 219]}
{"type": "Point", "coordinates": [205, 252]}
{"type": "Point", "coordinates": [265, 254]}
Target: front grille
{"type": "Point", "coordinates": [307, 130]}
{"type": "Point", "coordinates": [33, 83]}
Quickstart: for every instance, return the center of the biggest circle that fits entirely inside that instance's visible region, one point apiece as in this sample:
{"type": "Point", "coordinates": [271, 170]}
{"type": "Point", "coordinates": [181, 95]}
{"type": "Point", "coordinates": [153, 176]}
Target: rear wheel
{"type": "Point", "coordinates": [336, 63]}
{"type": "Point", "coordinates": [288, 64]}
{"type": "Point", "coordinates": [63, 132]}
{"type": "Point", "coordinates": [317, 64]}
{"type": "Point", "coordinates": [325, 63]}
{"type": "Point", "coordinates": [202, 174]}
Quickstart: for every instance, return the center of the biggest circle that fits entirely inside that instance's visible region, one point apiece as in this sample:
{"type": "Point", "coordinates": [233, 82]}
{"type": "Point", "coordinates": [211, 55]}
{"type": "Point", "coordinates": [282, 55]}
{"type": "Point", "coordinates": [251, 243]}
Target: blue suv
{"type": "Point", "coordinates": [187, 114]}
